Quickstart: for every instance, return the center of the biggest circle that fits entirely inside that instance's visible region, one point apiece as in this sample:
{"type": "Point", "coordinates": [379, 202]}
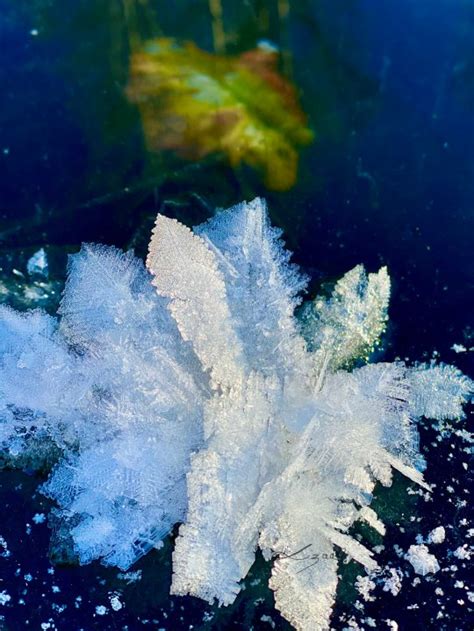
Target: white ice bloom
{"type": "Point", "coordinates": [191, 393]}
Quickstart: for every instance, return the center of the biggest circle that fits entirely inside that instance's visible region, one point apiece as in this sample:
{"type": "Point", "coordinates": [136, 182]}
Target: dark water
{"type": "Point", "coordinates": [389, 90]}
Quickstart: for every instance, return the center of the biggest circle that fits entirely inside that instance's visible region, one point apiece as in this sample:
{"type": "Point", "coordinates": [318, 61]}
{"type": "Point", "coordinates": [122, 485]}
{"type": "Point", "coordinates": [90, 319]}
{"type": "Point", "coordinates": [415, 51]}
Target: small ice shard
{"type": "Point", "coordinates": [115, 602]}
{"type": "Point", "coordinates": [463, 552]}
{"type": "Point", "coordinates": [437, 535]}
{"type": "Point", "coordinates": [130, 577]}
{"type": "Point", "coordinates": [39, 518]}
{"type": "Point", "coordinates": [4, 551]}
{"type": "Point", "coordinates": [422, 560]}
{"type": "Point", "coordinates": [370, 516]}
{"type": "Point", "coordinates": [38, 264]}
{"type": "Point", "coordinates": [365, 586]}
{"type": "Point", "coordinates": [4, 597]}
{"type": "Point", "coordinates": [393, 582]}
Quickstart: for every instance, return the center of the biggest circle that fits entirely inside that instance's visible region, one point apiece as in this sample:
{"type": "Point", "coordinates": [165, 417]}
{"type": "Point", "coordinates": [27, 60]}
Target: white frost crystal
{"type": "Point", "coordinates": [437, 535]}
{"type": "Point", "coordinates": [190, 393]}
{"type": "Point", "coordinates": [423, 562]}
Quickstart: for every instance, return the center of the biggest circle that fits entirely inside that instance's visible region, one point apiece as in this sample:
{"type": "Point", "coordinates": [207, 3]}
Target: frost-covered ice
{"type": "Point", "coordinates": [207, 402]}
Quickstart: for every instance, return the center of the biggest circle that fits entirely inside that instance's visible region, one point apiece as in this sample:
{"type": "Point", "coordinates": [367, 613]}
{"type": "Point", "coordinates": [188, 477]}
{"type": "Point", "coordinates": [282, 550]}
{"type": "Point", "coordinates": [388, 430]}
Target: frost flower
{"type": "Point", "coordinates": [207, 402]}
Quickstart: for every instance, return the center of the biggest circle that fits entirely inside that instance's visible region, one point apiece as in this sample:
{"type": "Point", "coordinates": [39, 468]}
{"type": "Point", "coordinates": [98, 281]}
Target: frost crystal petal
{"type": "Point", "coordinates": [263, 288]}
{"type": "Point", "coordinates": [439, 391]}
{"type": "Point", "coordinates": [347, 326]}
{"type": "Point", "coordinates": [186, 272]}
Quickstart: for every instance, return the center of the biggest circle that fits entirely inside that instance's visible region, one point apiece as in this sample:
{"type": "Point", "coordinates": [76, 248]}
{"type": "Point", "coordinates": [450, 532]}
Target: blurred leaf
{"type": "Point", "coordinates": [195, 103]}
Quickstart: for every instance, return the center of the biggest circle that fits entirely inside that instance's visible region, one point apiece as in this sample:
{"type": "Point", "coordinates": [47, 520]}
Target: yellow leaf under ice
{"type": "Point", "coordinates": [196, 103]}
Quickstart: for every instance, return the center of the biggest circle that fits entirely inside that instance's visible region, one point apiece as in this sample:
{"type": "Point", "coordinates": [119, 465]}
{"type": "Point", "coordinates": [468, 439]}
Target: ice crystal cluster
{"type": "Point", "coordinates": [190, 393]}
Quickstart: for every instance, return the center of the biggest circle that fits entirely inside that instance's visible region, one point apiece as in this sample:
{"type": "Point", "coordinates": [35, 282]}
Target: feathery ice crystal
{"type": "Point", "coordinates": [206, 402]}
